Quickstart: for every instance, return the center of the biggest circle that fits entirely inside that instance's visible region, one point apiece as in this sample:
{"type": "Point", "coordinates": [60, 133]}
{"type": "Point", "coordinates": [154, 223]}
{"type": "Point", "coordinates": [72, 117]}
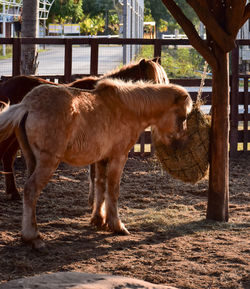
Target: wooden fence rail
{"type": "Point", "coordinates": [239, 91]}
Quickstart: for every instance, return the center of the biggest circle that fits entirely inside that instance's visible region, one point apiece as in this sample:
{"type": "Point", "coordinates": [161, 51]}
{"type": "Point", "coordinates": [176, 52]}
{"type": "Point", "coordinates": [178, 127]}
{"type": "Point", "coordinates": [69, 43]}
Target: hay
{"type": "Point", "coordinates": [189, 164]}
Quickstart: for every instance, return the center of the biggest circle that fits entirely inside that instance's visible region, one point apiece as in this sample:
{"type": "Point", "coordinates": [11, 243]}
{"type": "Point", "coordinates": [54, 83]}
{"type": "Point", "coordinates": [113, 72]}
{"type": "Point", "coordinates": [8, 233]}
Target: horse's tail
{"type": "Point", "coordinates": [10, 118]}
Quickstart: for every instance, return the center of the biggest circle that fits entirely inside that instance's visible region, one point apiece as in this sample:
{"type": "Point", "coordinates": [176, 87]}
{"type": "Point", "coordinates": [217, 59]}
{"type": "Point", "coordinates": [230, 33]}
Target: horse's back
{"type": "Point", "coordinates": [17, 87]}
{"type": "Point", "coordinates": [85, 83]}
{"type": "Point", "coordinates": [50, 98]}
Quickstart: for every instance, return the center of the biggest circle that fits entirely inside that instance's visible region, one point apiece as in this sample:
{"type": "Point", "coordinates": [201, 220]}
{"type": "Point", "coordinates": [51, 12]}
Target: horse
{"type": "Point", "coordinates": [15, 88]}
{"type": "Point", "coordinates": [56, 124]}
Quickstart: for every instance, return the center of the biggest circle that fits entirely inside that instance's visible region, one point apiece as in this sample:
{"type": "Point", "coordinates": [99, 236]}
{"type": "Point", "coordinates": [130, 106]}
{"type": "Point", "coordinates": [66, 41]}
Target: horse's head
{"type": "Point", "coordinates": [171, 127]}
{"type": "Point", "coordinates": [152, 70]}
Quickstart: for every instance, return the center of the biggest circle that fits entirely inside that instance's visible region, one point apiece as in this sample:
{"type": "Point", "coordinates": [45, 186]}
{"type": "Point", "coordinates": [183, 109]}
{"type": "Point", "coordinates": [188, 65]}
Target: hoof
{"type": "Point", "coordinates": [14, 194]}
{"type": "Point", "coordinates": [37, 244]}
{"type": "Point", "coordinates": [123, 231]}
{"type": "Point", "coordinates": [15, 197]}
{"type": "Point", "coordinates": [97, 221]}
{"type": "Point", "coordinates": [91, 201]}
{"type": "Point", "coordinates": [118, 228]}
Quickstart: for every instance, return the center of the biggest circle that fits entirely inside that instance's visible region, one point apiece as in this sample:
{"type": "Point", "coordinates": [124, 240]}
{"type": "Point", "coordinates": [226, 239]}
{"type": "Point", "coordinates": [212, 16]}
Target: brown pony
{"type": "Point", "coordinates": [56, 124]}
{"type": "Point", "coordinates": [14, 89]}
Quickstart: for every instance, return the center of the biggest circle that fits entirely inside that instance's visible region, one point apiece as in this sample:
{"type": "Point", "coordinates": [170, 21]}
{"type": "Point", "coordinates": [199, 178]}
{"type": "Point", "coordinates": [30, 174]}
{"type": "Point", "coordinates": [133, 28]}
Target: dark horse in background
{"type": "Point", "coordinates": [14, 89]}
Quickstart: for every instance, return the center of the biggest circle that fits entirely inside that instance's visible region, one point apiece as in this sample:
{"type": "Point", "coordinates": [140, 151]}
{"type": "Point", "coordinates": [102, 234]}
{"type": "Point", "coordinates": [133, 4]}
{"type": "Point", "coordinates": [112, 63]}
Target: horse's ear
{"type": "Point", "coordinates": [142, 61]}
{"type": "Point", "coordinates": [156, 59]}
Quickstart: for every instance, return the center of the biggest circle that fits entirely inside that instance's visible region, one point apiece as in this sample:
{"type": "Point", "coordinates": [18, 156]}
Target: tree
{"type": "Point", "coordinates": [159, 12]}
{"type": "Point", "coordinates": [96, 7]}
{"type": "Point", "coordinates": [66, 11]}
{"type": "Point", "coordinates": [29, 29]}
{"type": "Point", "coordinates": [222, 20]}
{"type": "Point", "coordinates": [92, 25]}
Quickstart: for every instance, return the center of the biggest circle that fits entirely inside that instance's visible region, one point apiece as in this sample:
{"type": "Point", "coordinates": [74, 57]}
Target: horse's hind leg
{"type": "Point", "coordinates": [98, 217]}
{"type": "Point", "coordinates": [44, 169]}
{"type": "Point", "coordinates": [8, 162]}
{"type": "Point", "coordinates": [40, 168]}
{"type": "Point", "coordinates": [114, 172]}
{"type": "Point", "coordinates": [91, 185]}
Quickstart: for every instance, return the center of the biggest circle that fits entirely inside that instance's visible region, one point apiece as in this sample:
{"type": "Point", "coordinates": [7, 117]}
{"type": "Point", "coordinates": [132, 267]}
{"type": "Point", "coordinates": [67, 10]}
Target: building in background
{"type": "Point", "coordinates": [11, 16]}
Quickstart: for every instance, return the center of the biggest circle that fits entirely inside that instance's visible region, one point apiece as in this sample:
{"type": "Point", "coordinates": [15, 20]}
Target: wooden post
{"type": "Point", "coordinates": [218, 195]}
{"type": "Point", "coordinates": [142, 143]}
{"type": "Point", "coordinates": [234, 102]}
{"type": "Point", "coordinates": [157, 50]}
{"type": "Point", "coordinates": [68, 61]}
{"type": "Point", "coordinates": [94, 57]}
{"type": "Point", "coordinates": [245, 125]}
{"type": "Point", "coordinates": [16, 57]}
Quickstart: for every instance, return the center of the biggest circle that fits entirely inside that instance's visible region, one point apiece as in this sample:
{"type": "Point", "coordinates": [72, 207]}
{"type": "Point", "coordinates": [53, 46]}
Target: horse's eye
{"type": "Point", "coordinates": [182, 119]}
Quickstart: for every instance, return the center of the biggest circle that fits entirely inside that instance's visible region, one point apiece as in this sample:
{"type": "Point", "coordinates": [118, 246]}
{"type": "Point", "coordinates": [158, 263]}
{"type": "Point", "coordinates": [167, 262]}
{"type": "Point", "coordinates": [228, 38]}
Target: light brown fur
{"type": "Point", "coordinates": [81, 127]}
{"type": "Point", "coordinates": [15, 88]}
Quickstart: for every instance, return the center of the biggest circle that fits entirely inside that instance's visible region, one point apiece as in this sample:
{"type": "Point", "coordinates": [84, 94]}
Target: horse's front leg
{"type": "Point", "coordinates": [91, 185]}
{"type": "Point", "coordinates": [114, 172]}
{"type": "Point", "coordinates": [98, 216]}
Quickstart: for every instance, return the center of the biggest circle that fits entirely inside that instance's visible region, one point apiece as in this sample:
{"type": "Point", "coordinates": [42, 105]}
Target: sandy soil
{"type": "Point", "coordinates": [170, 242]}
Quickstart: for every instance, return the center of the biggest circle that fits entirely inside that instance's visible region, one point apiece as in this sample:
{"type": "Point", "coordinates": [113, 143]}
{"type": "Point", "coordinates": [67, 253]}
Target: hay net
{"type": "Point", "coordinates": [191, 162]}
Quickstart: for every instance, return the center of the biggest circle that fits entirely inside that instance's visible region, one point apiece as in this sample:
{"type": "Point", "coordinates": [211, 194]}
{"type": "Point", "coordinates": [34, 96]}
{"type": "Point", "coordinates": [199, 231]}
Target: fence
{"type": "Point", "coordinates": [239, 83]}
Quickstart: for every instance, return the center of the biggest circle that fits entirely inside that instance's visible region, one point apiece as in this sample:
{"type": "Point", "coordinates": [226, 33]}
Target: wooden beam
{"type": "Point", "coordinates": [234, 102]}
{"type": "Point", "coordinates": [224, 40]}
{"type": "Point", "coordinates": [157, 50]}
{"type": "Point", "coordinates": [94, 56]}
{"type": "Point", "coordinates": [68, 60]}
{"type": "Point", "coordinates": [199, 44]}
{"type": "Point", "coordinates": [246, 15]}
{"type": "Point", "coordinates": [218, 194]}
{"type": "Point", "coordinates": [16, 57]}
{"type": "Point", "coordinates": [234, 15]}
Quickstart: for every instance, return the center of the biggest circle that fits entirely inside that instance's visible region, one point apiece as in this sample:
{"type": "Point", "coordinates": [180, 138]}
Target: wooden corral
{"type": "Point", "coordinates": [239, 91]}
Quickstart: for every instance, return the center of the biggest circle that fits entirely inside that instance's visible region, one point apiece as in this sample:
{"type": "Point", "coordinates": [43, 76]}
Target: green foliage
{"type": "Point", "coordinates": [89, 13]}
{"type": "Point", "coordinates": [157, 9]}
{"type": "Point", "coordinates": [66, 11]}
{"type": "Point", "coordinates": [148, 17]}
{"type": "Point", "coordinates": [178, 63]}
{"type": "Point", "coordinates": [182, 62]}
{"type": "Point", "coordinates": [147, 51]}
{"type": "Point", "coordinates": [96, 7]}
{"type": "Point", "coordinates": [113, 23]}
{"type": "Point", "coordinates": [159, 12]}
{"type": "Point", "coordinates": [92, 25]}
{"type": "Point", "coordinates": [163, 25]}
{"type": "Point", "coordinates": [8, 51]}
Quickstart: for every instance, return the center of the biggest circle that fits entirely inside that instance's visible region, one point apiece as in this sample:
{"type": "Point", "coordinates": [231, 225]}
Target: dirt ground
{"type": "Point", "coordinates": [170, 243]}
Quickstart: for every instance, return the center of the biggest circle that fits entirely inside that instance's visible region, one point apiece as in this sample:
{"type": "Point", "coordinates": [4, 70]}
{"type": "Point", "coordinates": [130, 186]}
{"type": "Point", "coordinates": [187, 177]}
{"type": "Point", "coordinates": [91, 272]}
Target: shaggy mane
{"type": "Point", "coordinates": [140, 96]}
{"type": "Point", "coordinates": [139, 69]}
{"type": "Point", "coordinates": [117, 71]}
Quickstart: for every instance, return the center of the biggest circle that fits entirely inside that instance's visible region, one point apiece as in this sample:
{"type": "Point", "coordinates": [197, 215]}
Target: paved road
{"type": "Point", "coordinates": [51, 61]}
